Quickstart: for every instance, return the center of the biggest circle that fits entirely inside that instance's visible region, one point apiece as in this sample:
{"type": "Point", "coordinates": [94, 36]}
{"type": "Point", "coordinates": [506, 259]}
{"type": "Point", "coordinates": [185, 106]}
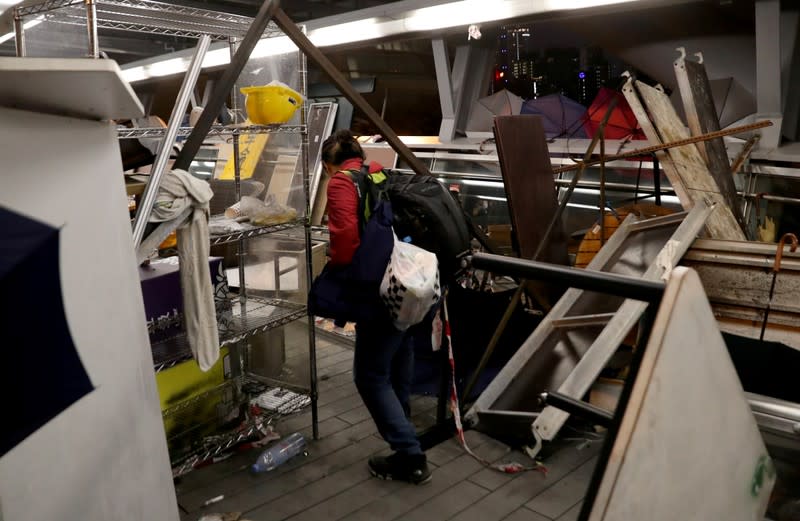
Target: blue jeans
{"type": "Point", "coordinates": [383, 367]}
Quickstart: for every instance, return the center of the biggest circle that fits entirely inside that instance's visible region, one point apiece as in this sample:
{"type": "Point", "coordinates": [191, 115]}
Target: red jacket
{"type": "Point", "coordinates": [343, 213]}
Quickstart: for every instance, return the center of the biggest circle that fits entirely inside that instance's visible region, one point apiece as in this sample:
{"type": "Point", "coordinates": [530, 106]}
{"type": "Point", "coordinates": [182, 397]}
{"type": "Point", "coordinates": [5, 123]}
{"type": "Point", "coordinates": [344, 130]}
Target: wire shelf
{"type": "Point", "coordinates": [217, 130]}
{"type": "Point", "coordinates": [146, 16]}
{"type": "Point", "coordinates": [251, 231]}
{"type": "Point", "coordinates": [256, 316]}
{"type": "Point", "coordinates": [236, 398]}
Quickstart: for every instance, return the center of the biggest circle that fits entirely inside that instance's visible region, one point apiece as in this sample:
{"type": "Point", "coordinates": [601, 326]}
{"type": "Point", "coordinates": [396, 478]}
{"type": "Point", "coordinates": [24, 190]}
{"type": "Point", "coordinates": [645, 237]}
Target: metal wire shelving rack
{"type": "Point", "coordinates": [158, 132]}
{"type": "Point", "coordinates": [256, 315]}
{"type": "Point", "coordinates": [221, 403]}
{"type": "Point", "coordinates": [229, 402]}
{"type": "Point", "coordinates": [140, 16]}
{"type": "Point", "coordinates": [254, 231]}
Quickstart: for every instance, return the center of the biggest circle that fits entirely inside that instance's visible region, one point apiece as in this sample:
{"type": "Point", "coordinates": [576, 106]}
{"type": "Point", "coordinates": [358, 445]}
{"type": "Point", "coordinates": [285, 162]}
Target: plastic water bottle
{"type": "Point", "coordinates": [280, 453]}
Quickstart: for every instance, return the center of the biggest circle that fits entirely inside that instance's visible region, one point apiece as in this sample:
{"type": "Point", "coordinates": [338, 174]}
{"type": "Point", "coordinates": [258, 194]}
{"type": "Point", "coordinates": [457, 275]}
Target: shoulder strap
{"type": "Point", "coordinates": [359, 179]}
{"type": "Point", "coordinates": [370, 188]}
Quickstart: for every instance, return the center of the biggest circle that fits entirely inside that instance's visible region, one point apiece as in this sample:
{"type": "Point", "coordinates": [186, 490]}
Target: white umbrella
{"type": "Point", "coordinates": [501, 103]}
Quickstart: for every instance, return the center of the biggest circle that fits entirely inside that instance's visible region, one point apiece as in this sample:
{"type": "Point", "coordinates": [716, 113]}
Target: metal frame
{"type": "Point", "coordinates": [550, 420]}
{"type": "Point", "coordinates": [316, 172]}
{"type": "Point", "coordinates": [216, 130]}
{"type": "Point", "coordinates": [141, 16]}
{"type": "Point", "coordinates": [614, 331]}
{"type": "Point", "coordinates": [145, 16]}
{"type": "Point", "coordinates": [162, 157]}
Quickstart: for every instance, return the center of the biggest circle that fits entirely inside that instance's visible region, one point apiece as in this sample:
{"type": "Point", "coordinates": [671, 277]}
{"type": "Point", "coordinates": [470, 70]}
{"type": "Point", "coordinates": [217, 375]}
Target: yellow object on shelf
{"type": "Point", "coordinates": [185, 381]}
{"type": "Point", "coordinates": [271, 104]}
{"type": "Point", "coordinates": [251, 146]}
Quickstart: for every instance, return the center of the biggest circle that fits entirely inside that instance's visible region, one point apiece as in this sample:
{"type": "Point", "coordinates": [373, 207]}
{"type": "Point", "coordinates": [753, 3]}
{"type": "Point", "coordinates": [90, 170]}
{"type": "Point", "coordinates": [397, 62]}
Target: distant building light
{"type": "Point", "coordinates": [526, 34]}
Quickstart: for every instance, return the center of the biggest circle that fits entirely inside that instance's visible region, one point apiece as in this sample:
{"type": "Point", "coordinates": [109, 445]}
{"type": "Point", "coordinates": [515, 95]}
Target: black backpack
{"type": "Point", "coordinates": [424, 212]}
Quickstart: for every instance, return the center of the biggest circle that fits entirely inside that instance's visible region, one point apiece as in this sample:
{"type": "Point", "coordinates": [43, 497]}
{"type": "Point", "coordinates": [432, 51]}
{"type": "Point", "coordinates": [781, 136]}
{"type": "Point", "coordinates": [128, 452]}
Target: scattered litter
{"type": "Point", "coordinates": [229, 516]}
{"type": "Point", "coordinates": [281, 400]}
{"type": "Point", "coordinates": [213, 500]}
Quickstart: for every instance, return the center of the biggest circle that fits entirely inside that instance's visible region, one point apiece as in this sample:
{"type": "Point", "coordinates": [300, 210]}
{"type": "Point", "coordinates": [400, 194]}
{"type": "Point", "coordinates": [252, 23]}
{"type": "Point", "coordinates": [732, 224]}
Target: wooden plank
{"type": "Point", "coordinates": [407, 497]}
{"type": "Point", "coordinates": [449, 503]}
{"type": "Point", "coordinates": [712, 464]}
{"type": "Point", "coordinates": [328, 381]}
{"type": "Point", "coordinates": [262, 494]}
{"type": "Point", "coordinates": [701, 115]}
{"type": "Point", "coordinates": [561, 497]}
{"type": "Point", "coordinates": [214, 474]}
{"type": "Point", "coordinates": [338, 393]}
{"type": "Point", "coordinates": [653, 137]}
{"type": "Point", "coordinates": [686, 162]}
{"type": "Point", "coordinates": [345, 366]}
{"type": "Point", "coordinates": [530, 189]}
{"type": "Point", "coordinates": [340, 505]}
{"type": "Point", "coordinates": [296, 492]}
{"type": "Point", "coordinates": [322, 453]}
{"type": "Point", "coordinates": [519, 491]}
{"type": "Point", "coordinates": [355, 415]}
{"type": "Point", "coordinates": [572, 514]}
{"type": "Point", "coordinates": [525, 514]}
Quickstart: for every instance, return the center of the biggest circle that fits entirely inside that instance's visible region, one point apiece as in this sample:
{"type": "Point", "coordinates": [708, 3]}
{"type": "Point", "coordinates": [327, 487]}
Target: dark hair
{"type": "Point", "coordinates": [340, 147]}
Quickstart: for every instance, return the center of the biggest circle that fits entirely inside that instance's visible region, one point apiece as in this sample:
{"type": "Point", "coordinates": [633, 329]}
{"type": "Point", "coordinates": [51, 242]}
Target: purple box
{"type": "Point", "coordinates": [161, 291]}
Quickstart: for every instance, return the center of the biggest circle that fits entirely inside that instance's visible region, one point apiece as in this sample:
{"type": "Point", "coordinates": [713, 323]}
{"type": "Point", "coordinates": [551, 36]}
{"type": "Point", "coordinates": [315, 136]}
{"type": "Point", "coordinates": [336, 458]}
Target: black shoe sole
{"type": "Point", "coordinates": [389, 477]}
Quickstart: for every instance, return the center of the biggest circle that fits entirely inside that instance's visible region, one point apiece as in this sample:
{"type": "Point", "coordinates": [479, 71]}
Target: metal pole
{"type": "Point", "coordinates": [305, 45]}
{"type": "Point", "coordinates": [222, 88]}
{"type": "Point", "coordinates": [19, 31]}
{"type": "Point", "coordinates": [655, 148]}
{"type": "Point", "coordinates": [589, 280]}
{"type": "Point", "coordinates": [91, 27]}
{"type": "Point", "coordinates": [160, 163]}
{"type": "Point", "coordinates": [657, 180]}
{"type": "Point", "coordinates": [602, 188]}
{"type": "Point", "coordinates": [312, 330]}
{"type": "Point", "coordinates": [240, 245]}
{"type": "Point", "coordinates": [741, 159]}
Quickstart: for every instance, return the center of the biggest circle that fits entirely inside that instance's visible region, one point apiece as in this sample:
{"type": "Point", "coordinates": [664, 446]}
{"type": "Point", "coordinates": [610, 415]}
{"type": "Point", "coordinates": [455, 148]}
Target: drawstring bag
{"type": "Point", "coordinates": [410, 286]}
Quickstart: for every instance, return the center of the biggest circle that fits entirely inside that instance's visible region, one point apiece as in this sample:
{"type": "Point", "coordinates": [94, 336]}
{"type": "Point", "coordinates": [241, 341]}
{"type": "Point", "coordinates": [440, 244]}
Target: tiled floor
{"type": "Point", "coordinates": [332, 482]}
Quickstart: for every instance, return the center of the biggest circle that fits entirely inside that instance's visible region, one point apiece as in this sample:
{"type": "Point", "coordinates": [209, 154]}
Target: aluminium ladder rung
{"type": "Point", "coordinates": [597, 319]}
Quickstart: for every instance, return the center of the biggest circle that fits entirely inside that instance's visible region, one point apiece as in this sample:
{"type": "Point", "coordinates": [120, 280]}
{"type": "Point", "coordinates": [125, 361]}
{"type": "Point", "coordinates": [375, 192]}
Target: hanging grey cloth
{"type": "Point", "coordinates": [178, 191]}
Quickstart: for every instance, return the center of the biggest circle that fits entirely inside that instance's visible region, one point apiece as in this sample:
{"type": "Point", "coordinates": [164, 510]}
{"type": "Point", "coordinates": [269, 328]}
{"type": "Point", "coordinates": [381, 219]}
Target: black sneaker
{"type": "Point", "coordinates": [401, 467]}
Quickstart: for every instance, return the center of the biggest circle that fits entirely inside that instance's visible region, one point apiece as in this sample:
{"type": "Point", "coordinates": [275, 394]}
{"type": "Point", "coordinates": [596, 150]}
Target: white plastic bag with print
{"type": "Point", "coordinates": [410, 286]}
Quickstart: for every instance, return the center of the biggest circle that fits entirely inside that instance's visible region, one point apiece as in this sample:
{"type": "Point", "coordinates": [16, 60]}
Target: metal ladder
{"type": "Point", "coordinates": [569, 329]}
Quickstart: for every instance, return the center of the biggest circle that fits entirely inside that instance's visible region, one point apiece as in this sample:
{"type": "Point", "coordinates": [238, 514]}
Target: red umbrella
{"type": "Point", "coordinates": [621, 125]}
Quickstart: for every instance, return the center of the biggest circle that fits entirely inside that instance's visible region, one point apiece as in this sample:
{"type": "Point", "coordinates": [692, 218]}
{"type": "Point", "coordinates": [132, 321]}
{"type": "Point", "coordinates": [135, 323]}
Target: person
{"type": "Point", "coordinates": [383, 362]}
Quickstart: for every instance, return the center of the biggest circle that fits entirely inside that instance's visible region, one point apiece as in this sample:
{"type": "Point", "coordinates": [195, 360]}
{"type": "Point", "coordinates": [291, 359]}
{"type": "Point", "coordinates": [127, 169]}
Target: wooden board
{"type": "Point", "coordinates": [684, 166]}
{"type": "Point", "coordinates": [688, 446]}
{"type": "Point", "coordinates": [701, 115]}
{"type": "Point", "coordinates": [530, 190]}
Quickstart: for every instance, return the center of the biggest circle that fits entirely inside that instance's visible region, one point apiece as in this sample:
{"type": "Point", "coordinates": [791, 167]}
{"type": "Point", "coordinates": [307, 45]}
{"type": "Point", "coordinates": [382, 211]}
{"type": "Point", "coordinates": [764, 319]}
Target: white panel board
{"type": "Point", "coordinates": [105, 457]}
{"type": "Point", "coordinates": [688, 447]}
{"type": "Point", "coordinates": [78, 87]}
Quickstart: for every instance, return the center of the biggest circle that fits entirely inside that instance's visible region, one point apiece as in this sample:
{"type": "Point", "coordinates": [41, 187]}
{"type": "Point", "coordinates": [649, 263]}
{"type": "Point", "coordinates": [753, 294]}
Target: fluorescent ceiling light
{"type": "Point", "coordinates": [27, 25]}
{"type": "Point", "coordinates": [443, 16]}
{"type": "Point", "coordinates": [455, 14]}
